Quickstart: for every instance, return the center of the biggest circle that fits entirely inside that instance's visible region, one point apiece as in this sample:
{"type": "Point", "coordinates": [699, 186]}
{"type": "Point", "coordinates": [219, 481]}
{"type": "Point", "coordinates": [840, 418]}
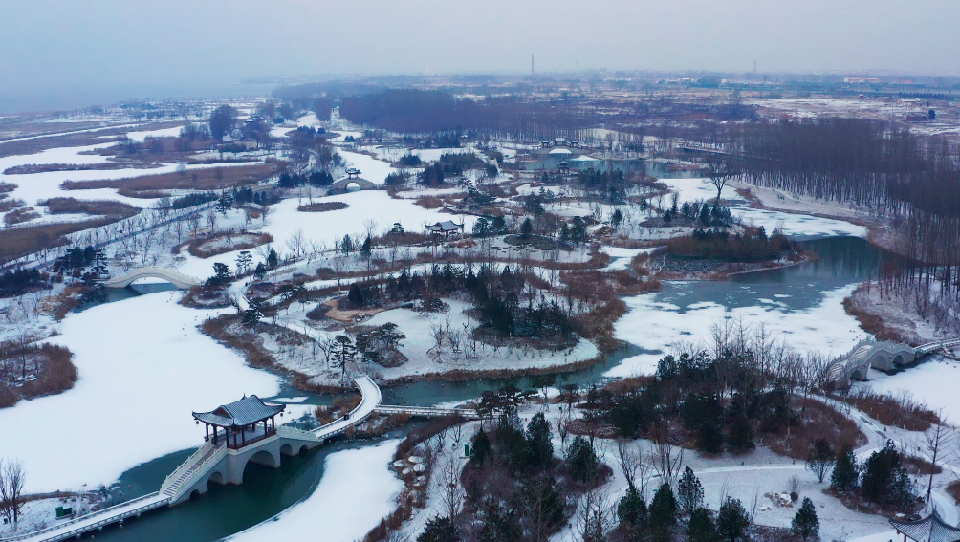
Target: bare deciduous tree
{"type": "Point", "coordinates": [13, 477]}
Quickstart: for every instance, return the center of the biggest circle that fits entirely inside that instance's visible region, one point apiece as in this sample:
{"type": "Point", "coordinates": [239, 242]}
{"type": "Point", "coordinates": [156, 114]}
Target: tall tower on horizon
{"type": "Point", "coordinates": [533, 66]}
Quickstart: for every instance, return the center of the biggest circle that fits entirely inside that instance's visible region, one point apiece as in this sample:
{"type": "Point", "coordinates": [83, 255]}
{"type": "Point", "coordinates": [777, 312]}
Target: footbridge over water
{"type": "Point", "coordinates": [220, 460]}
{"type": "Point", "coordinates": [178, 279]}
{"type": "Point", "coordinates": [883, 355]}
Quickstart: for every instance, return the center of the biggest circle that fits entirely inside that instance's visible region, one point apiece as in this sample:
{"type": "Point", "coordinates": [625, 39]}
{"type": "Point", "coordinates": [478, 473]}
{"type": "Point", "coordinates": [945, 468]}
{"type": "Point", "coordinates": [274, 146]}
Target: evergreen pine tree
{"type": "Point", "coordinates": [741, 434]}
{"type": "Point", "coordinates": [701, 527]}
{"type": "Point", "coordinates": [539, 441]}
{"type": "Point", "coordinates": [689, 492]}
{"type": "Point", "coordinates": [805, 523]}
{"type": "Point", "coordinates": [732, 520]}
{"type": "Point", "coordinates": [439, 529]}
{"type": "Point", "coordinates": [583, 460]}
{"type": "Point", "coordinates": [632, 511]}
{"type": "Point", "coordinates": [481, 448]}
{"type": "Point", "coordinates": [662, 513]}
{"type": "Point", "coordinates": [846, 473]}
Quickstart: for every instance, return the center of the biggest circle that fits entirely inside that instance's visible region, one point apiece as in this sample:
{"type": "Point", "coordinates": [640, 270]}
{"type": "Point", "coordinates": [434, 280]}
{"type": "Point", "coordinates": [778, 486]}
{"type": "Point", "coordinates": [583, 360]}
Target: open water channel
{"type": "Point", "coordinates": [266, 491]}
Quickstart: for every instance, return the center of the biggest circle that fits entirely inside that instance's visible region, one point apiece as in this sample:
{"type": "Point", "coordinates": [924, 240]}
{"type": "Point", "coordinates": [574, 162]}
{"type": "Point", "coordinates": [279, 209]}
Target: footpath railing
{"type": "Point", "coordinates": [179, 486]}
{"type": "Point", "coordinates": [73, 527]}
{"type": "Point", "coordinates": [467, 413]}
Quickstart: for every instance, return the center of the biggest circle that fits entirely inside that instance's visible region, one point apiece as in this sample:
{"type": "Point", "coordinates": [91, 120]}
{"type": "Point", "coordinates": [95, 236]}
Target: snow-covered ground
{"type": "Point", "coordinates": [932, 382]}
{"type": "Point", "coordinates": [357, 490]}
{"type": "Point", "coordinates": [143, 366]}
{"type": "Point", "coordinates": [655, 324]}
{"type": "Point", "coordinates": [794, 224]}
{"type": "Point", "coordinates": [419, 345]}
{"type": "Point", "coordinates": [37, 186]}
{"type": "Point", "coordinates": [330, 226]}
{"type": "Point", "coordinates": [371, 169]}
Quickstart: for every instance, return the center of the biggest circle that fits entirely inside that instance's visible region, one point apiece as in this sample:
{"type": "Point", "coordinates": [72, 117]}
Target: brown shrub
{"type": "Point", "coordinates": [919, 466]}
{"type": "Point", "coordinates": [198, 247]}
{"type": "Point", "coordinates": [322, 207]}
{"type": "Point", "coordinates": [900, 412]}
{"type": "Point", "coordinates": [247, 345]}
{"type": "Point", "coordinates": [50, 365]}
{"type": "Point", "coordinates": [429, 202]}
{"type": "Point", "coordinates": [90, 207]}
{"type": "Point", "coordinates": [194, 179]}
{"type": "Point", "coordinates": [872, 323]}
{"type": "Point", "coordinates": [17, 242]}
{"type": "Point", "coordinates": [818, 421]}
{"type": "Point", "coordinates": [953, 488]}
{"type": "Point", "coordinates": [20, 215]}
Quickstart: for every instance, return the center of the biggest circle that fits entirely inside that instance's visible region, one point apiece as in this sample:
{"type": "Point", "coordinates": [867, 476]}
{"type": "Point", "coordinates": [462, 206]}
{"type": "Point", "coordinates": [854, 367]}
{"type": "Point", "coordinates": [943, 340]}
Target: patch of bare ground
{"type": "Point", "coordinates": [17, 242]}
{"type": "Point", "coordinates": [91, 207]}
{"type": "Point", "coordinates": [899, 411]}
{"type": "Point", "coordinates": [223, 242]}
{"type": "Point", "coordinates": [28, 371]}
{"type": "Point", "coordinates": [20, 215]}
{"type": "Point", "coordinates": [322, 207]}
{"type": "Point", "coordinates": [228, 331]}
{"type": "Point", "coordinates": [193, 179]}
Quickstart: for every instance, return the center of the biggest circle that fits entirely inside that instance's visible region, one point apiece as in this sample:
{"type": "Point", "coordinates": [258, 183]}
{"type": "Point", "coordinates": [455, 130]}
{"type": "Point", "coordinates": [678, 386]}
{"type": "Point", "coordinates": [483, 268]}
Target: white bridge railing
{"type": "Point", "coordinates": [467, 413]}
{"type": "Point", "coordinates": [83, 524]}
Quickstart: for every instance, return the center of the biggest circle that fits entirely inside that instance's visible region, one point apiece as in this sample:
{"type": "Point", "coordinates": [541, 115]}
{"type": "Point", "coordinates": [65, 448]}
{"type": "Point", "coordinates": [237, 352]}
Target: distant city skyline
{"type": "Point", "coordinates": [62, 54]}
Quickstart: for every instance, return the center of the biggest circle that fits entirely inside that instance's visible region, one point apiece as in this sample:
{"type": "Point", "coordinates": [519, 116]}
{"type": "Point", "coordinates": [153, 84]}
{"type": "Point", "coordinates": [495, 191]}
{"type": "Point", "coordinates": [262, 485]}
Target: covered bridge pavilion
{"type": "Point", "coordinates": [240, 421]}
{"type": "Point", "coordinates": [929, 529]}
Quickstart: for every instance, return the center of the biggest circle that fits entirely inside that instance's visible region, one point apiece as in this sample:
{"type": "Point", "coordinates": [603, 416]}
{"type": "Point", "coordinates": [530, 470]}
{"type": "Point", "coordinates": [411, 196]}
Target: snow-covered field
{"type": "Point", "coordinates": [419, 346]}
{"type": "Point", "coordinates": [284, 220]}
{"type": "Point", "coordinates": [654, 323]}
{"type": "Point", "coordinates": [143, 366]}
{"type": "Point", "coordinates": [932, 382]}
{"type": "Point", "coordinates": [793, 224]}
{"type": "Point", "coordinates": [357, 490]}
{"type": "Point", "coordinates": [371, 169]}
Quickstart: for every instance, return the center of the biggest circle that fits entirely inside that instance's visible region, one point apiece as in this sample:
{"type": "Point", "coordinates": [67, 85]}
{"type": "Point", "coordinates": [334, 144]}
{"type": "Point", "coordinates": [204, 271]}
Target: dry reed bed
{"type": "Point", "coordinates": [51, 367]}
{"type": "Point", "coordinates": [194, 179]}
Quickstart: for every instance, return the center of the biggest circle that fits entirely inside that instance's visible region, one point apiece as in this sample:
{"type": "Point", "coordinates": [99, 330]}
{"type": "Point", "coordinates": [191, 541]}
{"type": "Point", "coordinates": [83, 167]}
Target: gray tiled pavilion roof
{"type": "Point", "coordinates": [929, 529]}
{"type": "Point", "coordinates": [243, 412]}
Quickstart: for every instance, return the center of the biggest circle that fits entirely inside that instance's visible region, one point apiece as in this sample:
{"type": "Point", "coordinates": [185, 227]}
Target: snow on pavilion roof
{"type": "Point", "coordinates": [243, 412]}
{"type": "Point", "coordinates": [929, 529]}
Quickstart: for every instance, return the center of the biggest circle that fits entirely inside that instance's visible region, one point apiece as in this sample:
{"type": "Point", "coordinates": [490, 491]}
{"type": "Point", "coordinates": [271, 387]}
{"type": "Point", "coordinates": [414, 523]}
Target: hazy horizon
{"type": "Point", "coordinates": [61, 55]}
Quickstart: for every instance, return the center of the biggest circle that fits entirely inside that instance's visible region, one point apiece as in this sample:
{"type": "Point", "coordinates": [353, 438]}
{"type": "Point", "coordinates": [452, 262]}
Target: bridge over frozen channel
{"type": "Point", "coordinates": [882, 355]}
{"type": "Point", "coordinates": [178, 279]}
{"type": "Point", "coordinates": [217, 461]}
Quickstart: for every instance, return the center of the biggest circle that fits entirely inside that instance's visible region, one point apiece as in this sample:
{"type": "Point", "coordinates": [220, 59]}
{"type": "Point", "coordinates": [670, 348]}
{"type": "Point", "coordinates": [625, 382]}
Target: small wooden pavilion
{"type": "Point", "coordinates": [240, 421]}
{"type": "Point", "coordinates": [929, 529]}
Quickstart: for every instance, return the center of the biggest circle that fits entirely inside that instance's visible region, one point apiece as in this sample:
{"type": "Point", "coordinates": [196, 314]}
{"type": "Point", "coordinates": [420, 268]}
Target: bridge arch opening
{"type": "Point", "coordinates": [303, 450]}
{"type": "Point", "coordinates": [195, 494]}
{"type": "Point", "coordinates": [263, 457]}
{"type": "Point", "coordinates": [286, 449]}
{"type": "Point", "coordinates": [857, 374]}
{"type": "Point", "coordinates": [898, 360]}
{"type": "Point", "coordinates": [217, 477]}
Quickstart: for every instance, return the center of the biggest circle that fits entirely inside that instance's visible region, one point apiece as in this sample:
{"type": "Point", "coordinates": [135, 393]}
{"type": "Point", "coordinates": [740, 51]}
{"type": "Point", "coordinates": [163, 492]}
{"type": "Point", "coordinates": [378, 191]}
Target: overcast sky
{"type": "Point", "coordinates": [68, 53]}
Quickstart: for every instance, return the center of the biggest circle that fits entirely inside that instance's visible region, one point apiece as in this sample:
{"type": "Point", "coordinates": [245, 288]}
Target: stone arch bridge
{"type": "Point", "coordinates": [883, 355]}
{"type": "Point", "coordinates": [178, 279]}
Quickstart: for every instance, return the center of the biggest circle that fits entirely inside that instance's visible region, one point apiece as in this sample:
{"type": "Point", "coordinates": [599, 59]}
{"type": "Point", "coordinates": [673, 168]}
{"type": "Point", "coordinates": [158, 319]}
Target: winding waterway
{"type": "Point", "coordinates": [842, 261]}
